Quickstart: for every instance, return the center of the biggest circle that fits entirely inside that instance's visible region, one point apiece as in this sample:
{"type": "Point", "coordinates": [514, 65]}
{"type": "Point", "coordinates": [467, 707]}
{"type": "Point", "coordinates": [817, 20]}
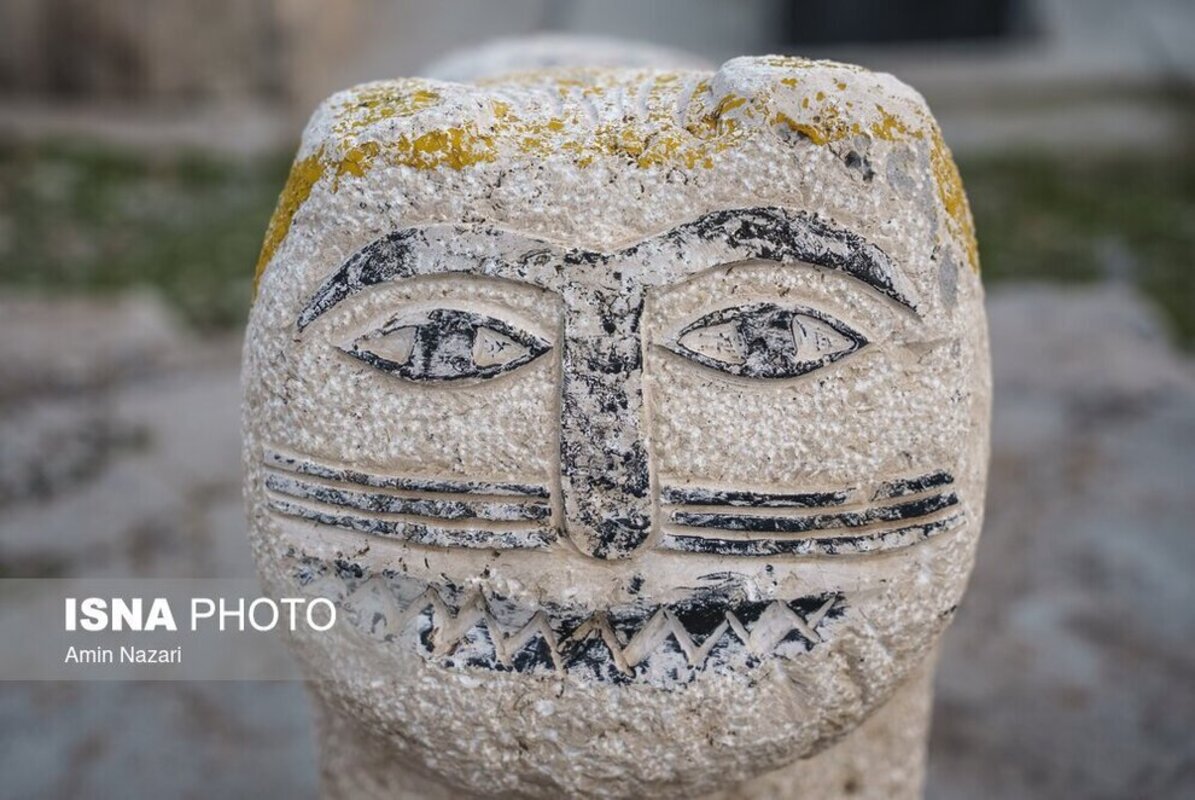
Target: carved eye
{"type": "Point", "coordinates": [446, 344]}
{"type": "Point", "coordinates": [764, 340]}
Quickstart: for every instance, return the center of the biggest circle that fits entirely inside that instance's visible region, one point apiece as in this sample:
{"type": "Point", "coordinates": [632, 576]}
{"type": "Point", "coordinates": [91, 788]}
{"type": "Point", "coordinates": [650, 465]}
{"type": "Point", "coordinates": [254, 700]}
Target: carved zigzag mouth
{"type": "Point", "coordinates": [666, 643]}
{"type": "Point", "coordinates": [899, 513]}
{"type": "Point", "coordinates": [443, 513]}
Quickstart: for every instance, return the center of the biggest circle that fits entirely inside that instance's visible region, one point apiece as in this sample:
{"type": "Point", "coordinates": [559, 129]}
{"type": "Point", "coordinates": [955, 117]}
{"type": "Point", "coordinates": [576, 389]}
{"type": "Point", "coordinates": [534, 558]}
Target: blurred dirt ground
{"type": "Point", "coordinates": [1069, 671]}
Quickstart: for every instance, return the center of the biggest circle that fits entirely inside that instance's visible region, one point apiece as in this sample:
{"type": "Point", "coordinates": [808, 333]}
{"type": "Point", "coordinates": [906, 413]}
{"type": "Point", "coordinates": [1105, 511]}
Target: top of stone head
{"type": "Point", "coordinates": [600, 158]}
{"type": "Point", "coordinates": [542, 51]}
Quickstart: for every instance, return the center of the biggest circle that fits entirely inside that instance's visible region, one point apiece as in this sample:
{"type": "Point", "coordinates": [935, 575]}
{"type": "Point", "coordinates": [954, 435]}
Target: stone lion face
{"type": "Point", "coordinates": [669, 468]}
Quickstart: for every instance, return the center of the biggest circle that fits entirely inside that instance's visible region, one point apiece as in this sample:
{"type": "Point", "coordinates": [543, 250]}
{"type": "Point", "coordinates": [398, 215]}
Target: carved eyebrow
{"type": "Point", "coordinates": [478, 250]}
{"type": "Point", "coordinates": [776, 234]}
{"type": "Point", "coordinates": [714, 239]}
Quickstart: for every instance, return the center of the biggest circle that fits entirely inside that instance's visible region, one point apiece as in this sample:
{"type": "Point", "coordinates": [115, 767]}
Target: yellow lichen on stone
{"type": "Point", "coordinates": [356, 160]}
{"type": "Point", "coordinates": [952, 196]}
{"type": "Point", "coordinates": [376, 102]}
{"type": "Point", "coordinates": [454, 148]}
{"type": "Point", "coordinates": [892, 129]}
{"type": "Point", "coordinates": [654, 132]}
{"type": "Point", "coordinates": [352, 153]}
{"type": "Point", "coordinates": [304, 174]}
{"type": "Point", "coordinates": [810, 132]}
{"type": "Point", "coordinates": [827, 124]}
{"type": "Point", "coordinates": [787, 62]}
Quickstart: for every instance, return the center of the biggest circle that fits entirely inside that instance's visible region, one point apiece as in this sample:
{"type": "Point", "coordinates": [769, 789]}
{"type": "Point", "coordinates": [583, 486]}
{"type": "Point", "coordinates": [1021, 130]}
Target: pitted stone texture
{"type": "Point", "coordinates": [598, 219]}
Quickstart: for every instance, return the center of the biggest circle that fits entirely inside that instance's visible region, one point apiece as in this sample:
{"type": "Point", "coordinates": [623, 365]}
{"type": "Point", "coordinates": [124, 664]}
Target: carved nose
{"type": "Point", "coordinates": [603, 453]}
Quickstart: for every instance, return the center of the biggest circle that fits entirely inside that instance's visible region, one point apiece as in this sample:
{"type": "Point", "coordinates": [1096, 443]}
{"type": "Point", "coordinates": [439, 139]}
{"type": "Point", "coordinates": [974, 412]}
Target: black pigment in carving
{"type": "Point", "coordinates": [749, 612]}
{"type": "Point", "coordinates": [734, 533]}
{"type": "Point", "coordinates": [670, 643]}
{"type": "Point", "coordinates": [767, 233]}
{"type": "Point", "coordinates": [419, 533]}
{"type": "Point", "coordinates": [776, 234]}
{"type": "Point", "coordinates": [419, 507]}
{"type": "Point", "coordinates": [363, 268]}
{"type": "Point", "coordinates": [764, 340]}
{"type": "Point", "coordinates": [603, 460]}
{"type": "Point", "coordinates": [908, 486]}
{"type": "Point", "coordinates": [447, 344]}
{"type": "Point", "coordinates": [306, 466]}
{"type": "Point", "coordinates": [812, 522]}
{"type": "Point", "coordinates": [476, 648]}
{"type": "Point", "coordinates": [858, 544]}
{"type": "Point", "coordinates": [425, 626]}
{"type": "Point", "coordinates": [626, 621]}
{"type": "Point", "coordinates": [701, 616]}
{"type": "Point", "coordinates": [592, 658]}
{"type": "Point", "coordinates": [429, 250]}
{"type": "Point", "coordinates": [686, 495]}
{"type": "Point", "coordinates": [535, 655]}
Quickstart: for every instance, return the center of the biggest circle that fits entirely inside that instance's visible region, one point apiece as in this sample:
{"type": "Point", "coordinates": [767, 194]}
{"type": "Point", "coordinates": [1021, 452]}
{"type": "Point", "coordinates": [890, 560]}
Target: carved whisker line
{"type": "Point", "coordinates": [858, 544]}
{"type": "Point", "coordinates": [682, 495]}
{"type": "Point", "coordinates": [470, 634]}
{"type": "Point", "coordinates": [381, 503]}
{"type": "Point", "coordinates": [753, 523]}
{"type": "Point", "coordinates": [910, 486]}
{"type": "Point", "coordinates": [304, 466]}
{"type": "Point", "coordinates": [511, 536]}
{"type": "Point", "coordinates": [807, 531]}
{"type": "Point", "coordinates": [471, 498]}
{"type": "Point", "coordinates": [448, 524]}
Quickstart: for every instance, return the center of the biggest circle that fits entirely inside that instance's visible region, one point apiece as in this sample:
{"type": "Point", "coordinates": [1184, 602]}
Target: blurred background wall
{"type": "Point", "coordinates": [142, 147]}
{"type": "Point", "coordinates": [1052, 65]}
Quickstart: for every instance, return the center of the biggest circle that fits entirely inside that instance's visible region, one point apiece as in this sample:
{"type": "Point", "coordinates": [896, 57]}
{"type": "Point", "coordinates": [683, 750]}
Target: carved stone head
{"type": "Point", "coordinates": [637, 419]}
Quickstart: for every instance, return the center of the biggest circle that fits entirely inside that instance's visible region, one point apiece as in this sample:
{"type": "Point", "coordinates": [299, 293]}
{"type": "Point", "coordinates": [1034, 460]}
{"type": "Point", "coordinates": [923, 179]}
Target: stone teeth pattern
{"type": "Point", "coordinates": [665, 645]}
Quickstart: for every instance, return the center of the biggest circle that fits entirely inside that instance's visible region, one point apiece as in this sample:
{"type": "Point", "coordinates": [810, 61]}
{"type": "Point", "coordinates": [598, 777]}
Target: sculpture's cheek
{"type": "Point", "coordinates": [437, 418]}
{"type": "Point", "coordinates": [868, 452]}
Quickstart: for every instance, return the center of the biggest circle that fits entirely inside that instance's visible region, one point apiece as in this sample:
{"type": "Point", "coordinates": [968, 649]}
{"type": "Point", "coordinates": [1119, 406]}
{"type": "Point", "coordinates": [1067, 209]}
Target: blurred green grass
{"type": "Point", "coordinates": [84, 218]}
{"type": "Point", "coordinates": [75, 217]}
{"type": "Point", "coordinates": [1059, 219]}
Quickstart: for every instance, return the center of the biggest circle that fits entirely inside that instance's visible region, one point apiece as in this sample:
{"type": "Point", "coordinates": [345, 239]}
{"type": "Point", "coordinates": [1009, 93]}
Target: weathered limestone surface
{"type": "Point", "coordinates": [637, 418]}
